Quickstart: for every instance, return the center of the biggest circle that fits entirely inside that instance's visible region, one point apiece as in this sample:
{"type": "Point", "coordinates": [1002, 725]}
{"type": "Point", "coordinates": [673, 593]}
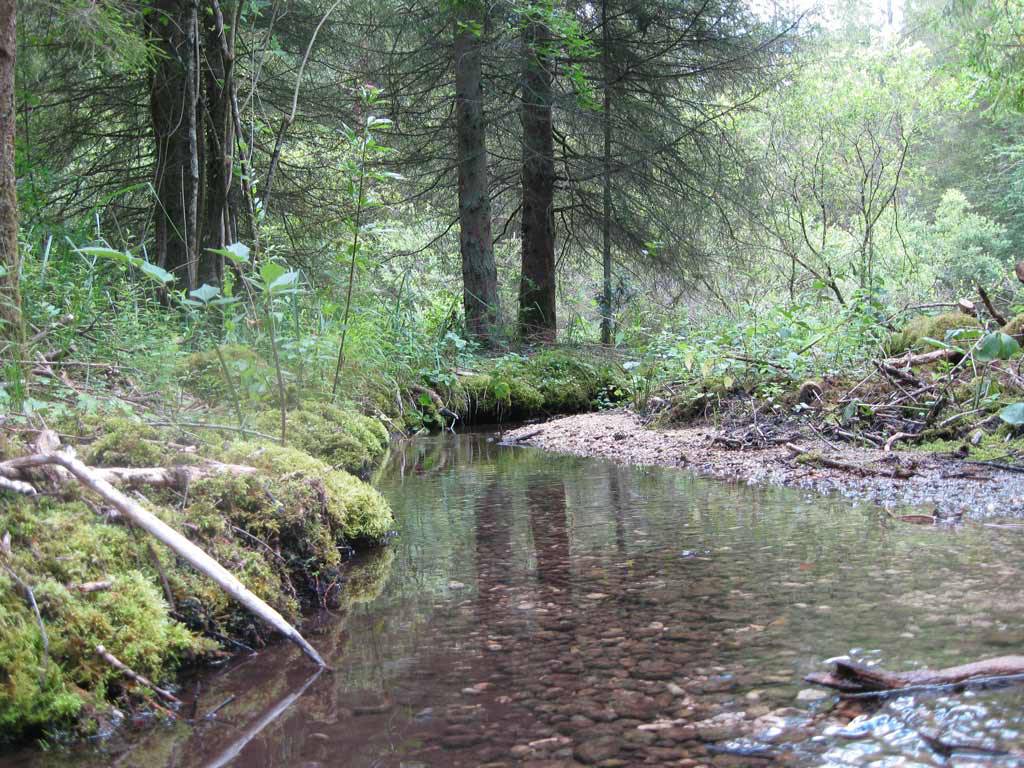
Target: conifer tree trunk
{"type": "Point", "coordinates": [219, 148]}
{"type": "Point", "coordinates": [479, 273]}
{"type": "Point", "coordinates": [606, 217]}
{"type": "Point", "coordinates": [537, 321]}
{"type": "Point", "coordinates": [10, 294]}
{"type": "Point", "coordinates": [179, 126]}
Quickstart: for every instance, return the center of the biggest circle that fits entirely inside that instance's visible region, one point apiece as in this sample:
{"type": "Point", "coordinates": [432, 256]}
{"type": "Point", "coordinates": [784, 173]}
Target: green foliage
{"type": "Point", "coordinates": [962, 248]}
{"type": "Point", "coordinates": [201, 375]}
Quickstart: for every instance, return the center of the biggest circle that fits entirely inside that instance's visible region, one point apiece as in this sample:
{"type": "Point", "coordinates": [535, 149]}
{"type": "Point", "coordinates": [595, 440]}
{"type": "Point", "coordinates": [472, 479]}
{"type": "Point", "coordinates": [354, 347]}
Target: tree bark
{"type": "Point", "coordinates": [181, 132]}
{"type": "Point", "coordinates": [12, 330]}
{"type": "Point", "coordinates": [606, 214]}
{"type": "Point", "coordinates": [479, 273]}
{"type": "Point", "coordinates": [218, 194]}
{"type": "Point", "coordinates": [537, 321]}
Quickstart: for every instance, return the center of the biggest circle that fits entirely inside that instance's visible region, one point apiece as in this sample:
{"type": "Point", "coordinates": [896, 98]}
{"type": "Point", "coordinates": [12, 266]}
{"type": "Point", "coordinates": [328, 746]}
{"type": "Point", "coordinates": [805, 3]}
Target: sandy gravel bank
{"type": "Point", "coordinates": [947, 485]}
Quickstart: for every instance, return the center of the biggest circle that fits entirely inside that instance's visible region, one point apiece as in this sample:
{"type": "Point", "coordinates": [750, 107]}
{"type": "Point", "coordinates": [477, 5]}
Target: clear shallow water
{"type": "Point", "coordinates": [540, 609]}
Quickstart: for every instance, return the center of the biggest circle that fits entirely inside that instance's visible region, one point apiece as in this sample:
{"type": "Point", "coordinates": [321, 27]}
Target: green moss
{"type": "Point", "coordinates": [125, 442]}
{"type": "Point", "coordinates": [328, 504]}
{"type": "Point", "coordinates": [53, 547]}
{"type": "Point", "coordinates": [922, 327]}
{"type": "Point", "coordinates": [549, 382]}
{"type": "Point", "coordinates": [279, 531]}
{"type": "Point", "coordinates": [344, 439]}
{"type": "Point", "coordinates": [994, 446]}
{"type": "Point", "coordinates": [1015, 328]}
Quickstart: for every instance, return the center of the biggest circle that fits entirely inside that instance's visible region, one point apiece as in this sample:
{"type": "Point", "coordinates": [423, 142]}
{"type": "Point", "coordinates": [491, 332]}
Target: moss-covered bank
{"type": "Point", "coordinates": [516, 388]}
{"type": "Point", "coordinates": [284, 531]}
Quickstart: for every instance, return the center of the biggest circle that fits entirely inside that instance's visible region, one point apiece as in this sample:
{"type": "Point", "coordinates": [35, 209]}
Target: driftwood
{"type": "Point", "coordinates": [852, 678]}
{"type": "Point", "coordinates": [99, 481]}
{"type": "Point", "coordinates": [130, 673]}
{"type": "Point", "coordinates": [812, 457]}
{"type": "Point", "coordinates": [909, 360]}
{"type": "Point", "coordinates": [89, 587]}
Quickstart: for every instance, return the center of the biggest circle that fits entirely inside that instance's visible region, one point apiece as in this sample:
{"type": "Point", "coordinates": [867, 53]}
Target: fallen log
{"type": "Point", "coordinates": [96, 481]}
{"type": "Point", "coordinates": [909, 360]}
{"type": "Point", "coordinates": [849, 677]}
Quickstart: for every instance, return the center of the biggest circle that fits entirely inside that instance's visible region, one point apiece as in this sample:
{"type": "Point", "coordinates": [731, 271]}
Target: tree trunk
{"type": "Point", "coordinates": [606, 218]}
{"type": "Point", "coordinates": [183, 182]}
{"type": "Point", "coordinates": [12, 330]}
{"type": "Point", "coordinates": [217, 222]}
{"type": "Point", "coordinates": [537, 320]}
{"type": "Point", "coordinates": [479, 273]}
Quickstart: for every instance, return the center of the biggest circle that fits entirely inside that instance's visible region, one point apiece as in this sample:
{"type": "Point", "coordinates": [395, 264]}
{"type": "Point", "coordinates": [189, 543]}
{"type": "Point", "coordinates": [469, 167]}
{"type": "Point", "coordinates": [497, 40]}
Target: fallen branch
{"type": "Point", "coordinates": [164, 477]}
{"type": "Point", "coordinates": [909, 360]}
{"type": "Point", "coordinates": [849, 677]}
{"type": "Point", "coordinates": [30, 597]}
{"type": "Point", "coordinates": [995, 314]}
{"type": "Point", "coordinates": [95, 481]}
{"type": "Point", "coordinates": [130, 673]}
{"type": "Point", "coordinates": [91, 586]}
{"type": "Point", "coordinates": [17, 486]}
{"type": "Point", "coordinates": [897, 437]}
{"type": "Point", "coordinates": [812, 457]}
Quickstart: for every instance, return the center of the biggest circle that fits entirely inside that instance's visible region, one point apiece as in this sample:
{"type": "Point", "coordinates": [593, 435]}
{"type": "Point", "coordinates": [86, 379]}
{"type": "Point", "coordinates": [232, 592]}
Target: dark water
{"type": "Point", "coordinates": [539, 609]}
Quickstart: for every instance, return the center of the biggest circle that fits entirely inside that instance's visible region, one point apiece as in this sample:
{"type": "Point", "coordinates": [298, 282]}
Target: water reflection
{"type": "Point", "coordinates": [545, 608]}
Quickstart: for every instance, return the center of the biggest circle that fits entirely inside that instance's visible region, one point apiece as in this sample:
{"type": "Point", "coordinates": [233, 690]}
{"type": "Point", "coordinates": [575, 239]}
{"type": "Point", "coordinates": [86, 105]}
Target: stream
{"type": "Point", "coordinates": [547, 610]}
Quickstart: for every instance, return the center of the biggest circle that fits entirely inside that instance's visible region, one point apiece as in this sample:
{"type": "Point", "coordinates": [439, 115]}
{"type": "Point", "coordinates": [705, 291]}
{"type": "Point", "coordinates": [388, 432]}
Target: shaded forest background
{"type": "Point", "coordinates": [394, 186]}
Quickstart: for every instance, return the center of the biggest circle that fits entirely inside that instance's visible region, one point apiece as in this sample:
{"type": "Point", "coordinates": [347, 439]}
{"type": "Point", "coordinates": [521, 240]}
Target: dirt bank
{"type": "Point", "coordinates": [940, 482]}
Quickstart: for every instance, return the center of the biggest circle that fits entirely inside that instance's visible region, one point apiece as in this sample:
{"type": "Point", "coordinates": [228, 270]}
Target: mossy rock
{"type": "Point", "coordinates": [253, 379]}
{"type": "Point", "coordinates": [501, 396]}
{"type": "Point", "coordinates": [342, 438]}
{"type": "Point", "coordinates": [912, 337]}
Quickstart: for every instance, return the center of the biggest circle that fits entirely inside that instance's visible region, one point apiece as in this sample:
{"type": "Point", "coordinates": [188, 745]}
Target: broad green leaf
{"type": "Point", "coordinates": [205, 293]}
{"type": "Point", "coordinates": [1013, 414]}
{"type": "Point", "coordinates": [283, 282]}
{"type": "Point", "coordinates": [271, 271]}
{"type": "Point", "coordinates": [106, 253]}
{"type": "Point", "coordinates": [236, 252]}
{"type": "Point", "coordinates": [159, 274]}
{"type": "Point", "coordinates": [996, 346]}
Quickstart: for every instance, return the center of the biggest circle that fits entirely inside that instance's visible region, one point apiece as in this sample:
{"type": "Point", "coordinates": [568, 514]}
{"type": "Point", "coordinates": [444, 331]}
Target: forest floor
{"type": "Point", "coordinates": [944, 485]}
